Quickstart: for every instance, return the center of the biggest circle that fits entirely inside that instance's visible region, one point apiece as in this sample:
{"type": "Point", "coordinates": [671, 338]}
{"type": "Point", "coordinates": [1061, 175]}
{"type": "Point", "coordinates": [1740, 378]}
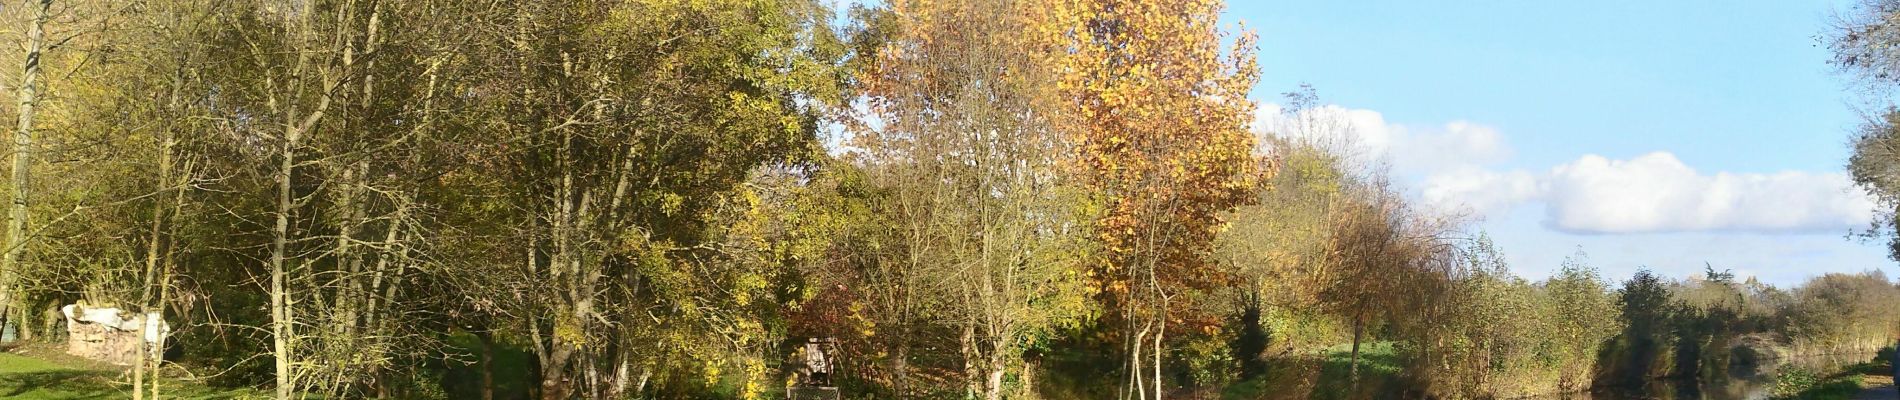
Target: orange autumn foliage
{"type": "Point", "coordinates": [1165, 142]}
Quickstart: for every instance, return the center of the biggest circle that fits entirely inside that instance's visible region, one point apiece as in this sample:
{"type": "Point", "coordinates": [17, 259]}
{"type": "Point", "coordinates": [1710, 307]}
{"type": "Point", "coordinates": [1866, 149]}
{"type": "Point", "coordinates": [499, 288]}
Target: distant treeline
{"type": "Point", "coordinates": [1497, 335]}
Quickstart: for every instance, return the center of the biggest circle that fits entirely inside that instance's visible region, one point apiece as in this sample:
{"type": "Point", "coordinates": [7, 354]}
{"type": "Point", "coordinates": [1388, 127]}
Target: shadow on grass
{"type": "Point", "coordinates": [58, 384]}
{"type": "Point", "coordinates": [512, 370]}
{"type": "Point", "coordinates": [74, 384]}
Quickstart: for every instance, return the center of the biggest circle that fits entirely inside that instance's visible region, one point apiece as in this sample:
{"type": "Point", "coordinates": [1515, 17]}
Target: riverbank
{"type": "Point", "coordinates": [1882, 389]}
{"type": "Point", "coordinates": [1865, 380]}
{"type": "Point", "coordinates": [1323, 375]}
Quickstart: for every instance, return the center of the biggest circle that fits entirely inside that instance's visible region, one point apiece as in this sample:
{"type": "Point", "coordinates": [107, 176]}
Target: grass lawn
{"type": "Point", "coordinates": [50, 377]}
{"type": "Point", "coordinates": [1378, 372]}
{"type": "Point", "coordinates": [1375, 358]}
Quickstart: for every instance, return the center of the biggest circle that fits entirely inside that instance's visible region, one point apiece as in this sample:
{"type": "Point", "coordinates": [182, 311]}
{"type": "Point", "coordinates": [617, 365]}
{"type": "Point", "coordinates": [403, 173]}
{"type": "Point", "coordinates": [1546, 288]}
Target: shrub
{"type": "Point", "coordinates": [1791, 381]}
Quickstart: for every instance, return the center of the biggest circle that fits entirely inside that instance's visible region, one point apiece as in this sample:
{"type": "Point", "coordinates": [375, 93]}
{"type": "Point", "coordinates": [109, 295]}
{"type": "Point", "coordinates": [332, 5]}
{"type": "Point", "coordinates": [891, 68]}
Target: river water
{"type": "Point", "coordinates": [1742, 382]}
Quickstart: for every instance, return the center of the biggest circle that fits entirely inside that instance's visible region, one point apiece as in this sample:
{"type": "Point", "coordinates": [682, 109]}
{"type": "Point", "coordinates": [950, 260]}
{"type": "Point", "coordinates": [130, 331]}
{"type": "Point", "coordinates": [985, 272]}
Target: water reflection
{"type": "Point", "coordinates": [1744, 382]}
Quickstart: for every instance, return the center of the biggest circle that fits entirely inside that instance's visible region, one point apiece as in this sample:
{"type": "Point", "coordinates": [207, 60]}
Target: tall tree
{"type": "Point", "coordinates": [618, 128]}
{"type": "Point", "coordinates": [1863, 44]}
{"type": "Point", "coordinates": [1645, 305]}
{"type": "Point", "coordinates": [970, 140]}
{"type": "Point", "coordinates": [1376, 245]}
{"type": "Point", "coordinates": [1165, 148]}
{"type": "Point", "coordinates": [288, 104]}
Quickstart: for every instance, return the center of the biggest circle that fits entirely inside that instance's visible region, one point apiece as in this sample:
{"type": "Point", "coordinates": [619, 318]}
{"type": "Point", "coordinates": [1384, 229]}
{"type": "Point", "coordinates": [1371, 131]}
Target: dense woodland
{"type": "Point", "coordinates": [667, 198]}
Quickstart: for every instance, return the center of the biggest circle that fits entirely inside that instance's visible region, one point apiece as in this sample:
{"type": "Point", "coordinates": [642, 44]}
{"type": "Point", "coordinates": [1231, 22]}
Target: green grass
{"type": "Point", "coordinates": [511, 370]}
{"type": "Point", "coordinates": [1837, 387]}
{"type": "Point", "coordinates": [30, 378]}
{"type": "Point", "coordinates": [1375, 358]}
{"type": "Point", "coordinates": [1845, 384]}
{"type": "Point", "coordinates": [1379, 368]}
{"type": "Point", "coordinates": [14, 364]}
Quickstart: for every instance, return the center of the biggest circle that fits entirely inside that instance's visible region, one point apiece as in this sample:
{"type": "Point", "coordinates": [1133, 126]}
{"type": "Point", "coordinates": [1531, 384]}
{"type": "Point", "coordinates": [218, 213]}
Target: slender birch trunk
{"type": "Point", "coordinates": [1161, 332]}
{"type": "Point", "coordinates": [555, 372]}
{"type": "Point", "coordinates": [1134, 365]}
{"type": "Point", "coordinates": [166, 264]}
{"type": "Point", "coordinates": [296, 127]}
{"type": "Point", "coordinates": [994, 378]}
{"type": "Point", "coordinates": [279, 304]}
{"type": "Point", "coordinates": [152, 250]}
{"type": "Point", "coordinates": [967, 344]}
{"type": "Point", "coordinates": [28, 98]}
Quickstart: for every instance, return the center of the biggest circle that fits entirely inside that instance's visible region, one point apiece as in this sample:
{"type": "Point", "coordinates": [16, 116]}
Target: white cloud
{"type": "Point", "coordinates": [1478, 190]}
{"type": "Point", "coordinates": [1455, 145]}
{"type": "Point", "coordinates": [1452, 166]}
{"type": "Point", "coordinates": [1366, 136]}
{"type": "Point", "coordinates": [1656, 192]}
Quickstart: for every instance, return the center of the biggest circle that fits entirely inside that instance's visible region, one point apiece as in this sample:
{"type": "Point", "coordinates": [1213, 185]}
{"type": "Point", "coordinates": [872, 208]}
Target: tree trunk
{"type": "Point", "coordinates": [592, 372]}
{"type": "Point", "coordinates": [138, 365]}
{"type": "Point", "coordinates": [162, 227]}
{"type": "Point", "coordinates": [1352, 367]}
{"type": "Point", "coordinates": [28, 98]}
{"type": "Point", "coordinates": [623, 374]}
{"type": "Point", "coordinates": [283, 317]}
{"type": "Point", "coordinates": [1029, 377]}
{"type": "Point", "coordinates": [900, 367]}
{"type": "Point", "coordinates": [1160, 332]}
{"type": "Point", "coordinates": [279, 305]}
{"type": "Point", "coordinates": [152, 277]}
{"type": "Point", "coordinates": [641, 385]}
{"type": "Point", "coordinates": [488, 364]}
{"type": "Point", "coordinates": [966, 343]}
{"type": "Point", "coordinates": [554, 385]}
{"type": "Point", "coordinates": [352, 290]}
{"type": "Point", "coordinates": [166, 264]}
{"type": "Point", "coordinates": [564, 270]}
{"type": "Point", "coordinates": [21, 322]}
{"type": "Point", "coordinates": [1134, 366]}
{"type": "Point", "coordinates": [994, 382]}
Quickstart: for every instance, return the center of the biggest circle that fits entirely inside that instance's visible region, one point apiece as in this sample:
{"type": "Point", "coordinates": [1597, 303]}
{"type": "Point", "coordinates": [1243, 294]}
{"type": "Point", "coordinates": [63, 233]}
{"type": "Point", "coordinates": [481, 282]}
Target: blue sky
{"type": "Point", "coordinates": [1598, 125]}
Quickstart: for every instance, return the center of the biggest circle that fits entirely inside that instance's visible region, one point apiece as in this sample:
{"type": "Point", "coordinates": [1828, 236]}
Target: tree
{"type": "Point", "coordinates": [1377, 247]}
{"type": "Point", "coordinates": [1280, 241]}
{"type": "Point", "coordinates": [290, 68]}
{"type": "Point", "coordinates": [1646, 314]}
{"type": "Point", "coordinates": [616, 129]}
{"type": "Point", "coordinates": [1465, 321]}
{"type": "Point", "coordinates": [1165, 149]}
{"type": "Point", "coordinates": [1863, 45]}
{"type": "Point", "coordinates": [970, 140]}
{"type": "Point", "coordinates": [168, 36]}
{"type": "Point", "coordinates": [1583, 318]}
